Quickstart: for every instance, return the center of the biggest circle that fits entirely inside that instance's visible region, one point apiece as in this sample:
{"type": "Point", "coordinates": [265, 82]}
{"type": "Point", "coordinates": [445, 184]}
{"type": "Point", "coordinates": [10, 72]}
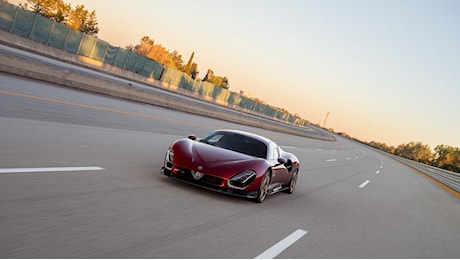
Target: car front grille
{"type": "Point", "coordinates": [205, 179]}
{"type": "Point", "coordinates": [210, 183]}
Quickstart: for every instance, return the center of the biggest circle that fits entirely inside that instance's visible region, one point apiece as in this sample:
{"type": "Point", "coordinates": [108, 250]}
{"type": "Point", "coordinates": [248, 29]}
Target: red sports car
{"type": "Point", "coordinates": [233, 162]}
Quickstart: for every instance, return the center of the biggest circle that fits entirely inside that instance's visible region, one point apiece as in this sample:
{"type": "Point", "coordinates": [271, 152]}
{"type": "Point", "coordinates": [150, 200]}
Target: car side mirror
{"type": "Point", "coordinates": [192, 137]}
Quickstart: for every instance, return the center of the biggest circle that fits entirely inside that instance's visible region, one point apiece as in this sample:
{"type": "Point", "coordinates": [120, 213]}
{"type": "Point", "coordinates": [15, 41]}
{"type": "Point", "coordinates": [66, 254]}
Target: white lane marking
{"type": "Point", "coordinates": [51, 169]}
{"type": "Point", "coordinates": [331, 160]}
{"type": "Point", "coordinates": [348, 158]}
{"type": "Point", "coordinates": [279, 247]}
{"type": "Point", "coordinates": [287, 147]}
{"type": "Point", "coordinates": [377, 172]}
{"type": "Point", "coordinates": [318, 149]}
{"type": "Point", "coordinates": [364, 184]}
{"type": "Point", "coordinates": [381, 167]}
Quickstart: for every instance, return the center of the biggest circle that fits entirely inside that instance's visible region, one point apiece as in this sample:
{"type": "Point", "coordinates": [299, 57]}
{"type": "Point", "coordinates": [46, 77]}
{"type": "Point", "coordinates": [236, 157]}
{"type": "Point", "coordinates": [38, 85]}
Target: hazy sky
{"type": "Point", "coordinates": [387, 71]}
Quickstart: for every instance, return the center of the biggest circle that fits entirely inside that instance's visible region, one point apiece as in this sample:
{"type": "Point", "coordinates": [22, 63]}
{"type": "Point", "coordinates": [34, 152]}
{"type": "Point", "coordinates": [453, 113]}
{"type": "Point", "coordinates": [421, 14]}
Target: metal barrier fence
{"type": "Point", "coordinates": [27, 24]}
{"type": "Point", "coordinates": [448, 178]}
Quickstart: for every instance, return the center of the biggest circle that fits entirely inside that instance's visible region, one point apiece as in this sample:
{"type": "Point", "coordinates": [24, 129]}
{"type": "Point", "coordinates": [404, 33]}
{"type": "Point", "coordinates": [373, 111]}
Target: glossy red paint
{"type": "Point", "coordinates": [216, 161]}
{"type": "Point", "coordinates": [206, 164]}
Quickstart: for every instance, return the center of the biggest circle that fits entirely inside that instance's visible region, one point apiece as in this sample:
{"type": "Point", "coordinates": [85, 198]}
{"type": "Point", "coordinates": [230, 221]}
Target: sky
{"type": "Point", "coordinates": [386, 71]}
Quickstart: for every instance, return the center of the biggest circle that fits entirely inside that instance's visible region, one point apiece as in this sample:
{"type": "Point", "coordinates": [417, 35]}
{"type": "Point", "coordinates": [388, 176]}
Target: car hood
{"type": "Point", "coordinates": [212, 160]}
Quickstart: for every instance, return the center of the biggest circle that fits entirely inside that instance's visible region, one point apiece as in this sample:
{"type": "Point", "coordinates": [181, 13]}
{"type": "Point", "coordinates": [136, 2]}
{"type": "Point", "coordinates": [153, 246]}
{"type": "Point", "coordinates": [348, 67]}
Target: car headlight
{"type": "Point", "coordinates": [169, 159]}
{"type": "Point", "coordinates": [170, 155]}
{"type": "Point", "coordinates": [242, 179]}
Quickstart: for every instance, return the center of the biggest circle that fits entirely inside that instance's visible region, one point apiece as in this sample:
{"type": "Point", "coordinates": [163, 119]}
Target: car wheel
{"type": "Point", "coordinates": [293, 182]}
{"type": "Point", "coordinates": [263, 189]}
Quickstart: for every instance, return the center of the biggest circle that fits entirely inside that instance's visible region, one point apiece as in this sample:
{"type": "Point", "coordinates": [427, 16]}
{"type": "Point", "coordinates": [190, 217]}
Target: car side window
{"type": "Point", "coordinates": [212, 139]}
{"type": "Point", "coordinates": [277, 152]}
{"type": "Point", "coordinates": [215, 138]}
{"type": "Point", "coordinates": [273, 153]}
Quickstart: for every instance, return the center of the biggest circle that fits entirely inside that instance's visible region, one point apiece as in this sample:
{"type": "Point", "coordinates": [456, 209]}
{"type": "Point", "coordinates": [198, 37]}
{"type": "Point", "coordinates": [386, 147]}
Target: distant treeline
{"type": "Point", "coordinates": [444, 156]}
{"type": "Point", "coordinates": [148, 48]}
{"type": "Point", "coordinates": [78, 18]}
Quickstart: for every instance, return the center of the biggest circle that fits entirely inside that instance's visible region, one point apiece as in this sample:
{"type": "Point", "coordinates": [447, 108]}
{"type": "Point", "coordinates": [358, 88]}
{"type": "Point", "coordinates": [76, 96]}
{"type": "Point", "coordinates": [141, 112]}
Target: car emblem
{"type": "Point", "coordinates": [197, 175]}
{"type": "Point", "coordinates": [199, 168]}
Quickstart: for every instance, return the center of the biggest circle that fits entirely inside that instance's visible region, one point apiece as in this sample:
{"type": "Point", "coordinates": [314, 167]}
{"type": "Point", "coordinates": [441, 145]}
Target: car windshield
{"type": "Point", "coordinates": [238, 143]}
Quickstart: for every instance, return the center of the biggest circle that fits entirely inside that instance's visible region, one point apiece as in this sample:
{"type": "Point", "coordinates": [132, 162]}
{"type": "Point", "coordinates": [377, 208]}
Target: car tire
{"type": "Point", "coordinates": [292, 182]}
{"type": "Point", "coordinates": [263, 188]}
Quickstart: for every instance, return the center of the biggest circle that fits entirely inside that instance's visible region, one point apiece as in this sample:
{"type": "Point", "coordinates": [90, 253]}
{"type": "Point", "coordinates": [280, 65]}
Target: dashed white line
{"type": "Point", "coordinates": [364, 184]}
{"type": "Point", "coordinates": [377, 172]}
{"type": "Point", "coordinates": [331, 160]}
{"type": "Point", "coordinates": [289, 147]}
{"type": "Point", "coordinates": [50, 169]}
{"type": "Point", "coordinates": [279, 247]}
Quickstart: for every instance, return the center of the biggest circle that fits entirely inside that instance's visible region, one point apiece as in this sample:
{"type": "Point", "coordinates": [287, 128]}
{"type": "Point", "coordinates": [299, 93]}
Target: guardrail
{"type": "Point", "coordinates": [448, 178]}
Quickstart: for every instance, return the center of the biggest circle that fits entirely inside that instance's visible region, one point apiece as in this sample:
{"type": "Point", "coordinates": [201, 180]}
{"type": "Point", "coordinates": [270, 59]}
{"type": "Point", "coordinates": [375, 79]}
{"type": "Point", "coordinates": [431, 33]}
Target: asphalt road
{"type": "Point", "coordinates": [352, 201]}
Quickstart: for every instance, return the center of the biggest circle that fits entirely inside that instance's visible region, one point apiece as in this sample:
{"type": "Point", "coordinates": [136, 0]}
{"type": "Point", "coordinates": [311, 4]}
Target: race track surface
{"type": "Point", "coordinates": [350, 201]}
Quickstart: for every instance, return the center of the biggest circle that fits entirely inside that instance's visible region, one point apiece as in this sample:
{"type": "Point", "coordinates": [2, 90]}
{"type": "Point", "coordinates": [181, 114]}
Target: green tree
{"type": "Point", "coordinates": [157, 52]}
{"type": "Point", "coordinates": [224, 83]}
{"type": "Point", "coordinates": [415, 151]}
{"type": "Point", "coordinates": [216, 80]}
{"type": "Point", "coordinates": [447, 157]}
{"type": "Point", "coordinates": [89, 24]}
{"type": "Point", "coordinates": [188, 66]}
{"type": "Point", "coordinates": [194, 70]}
{"type": "Point", "coordinates": [178, 62]}
{"type": "Point", "coordinates": [145, 46]}
{"type": "Point", "coordinates": [79, 18]}
{"type": "Point", "coordinates": [55, 10]}
{"type": "Point", "coordinates": [209, 75]}
{"type": "Point", "coordinates": [83, 20]}
{"type": "Point", "coordinates": [382, 146]}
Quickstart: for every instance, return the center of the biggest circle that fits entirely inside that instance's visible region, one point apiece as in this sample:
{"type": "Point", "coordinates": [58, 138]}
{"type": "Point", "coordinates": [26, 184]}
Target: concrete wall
{"type": "Point", "coordinates": [69, 78]}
